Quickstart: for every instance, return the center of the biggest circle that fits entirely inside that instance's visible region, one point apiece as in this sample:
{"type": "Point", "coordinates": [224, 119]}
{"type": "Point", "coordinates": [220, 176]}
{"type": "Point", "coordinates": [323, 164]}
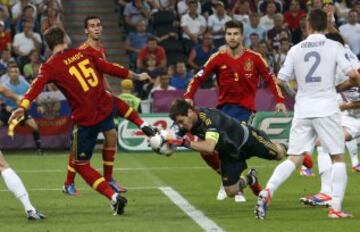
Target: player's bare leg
{"type": "Point", "coordinates": [16, 186]}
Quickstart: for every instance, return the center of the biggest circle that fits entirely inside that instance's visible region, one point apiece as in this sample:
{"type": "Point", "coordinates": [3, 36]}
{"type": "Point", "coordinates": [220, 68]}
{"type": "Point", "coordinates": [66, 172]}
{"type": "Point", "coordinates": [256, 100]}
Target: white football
{"type": "Point", "coordinates": [159, 145]}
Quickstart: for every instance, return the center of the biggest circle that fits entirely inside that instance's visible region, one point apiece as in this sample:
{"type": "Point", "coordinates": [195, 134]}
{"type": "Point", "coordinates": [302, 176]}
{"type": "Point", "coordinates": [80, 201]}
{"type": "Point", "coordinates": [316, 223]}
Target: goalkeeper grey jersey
{"type": "Point", "coordinates": [230, 134]}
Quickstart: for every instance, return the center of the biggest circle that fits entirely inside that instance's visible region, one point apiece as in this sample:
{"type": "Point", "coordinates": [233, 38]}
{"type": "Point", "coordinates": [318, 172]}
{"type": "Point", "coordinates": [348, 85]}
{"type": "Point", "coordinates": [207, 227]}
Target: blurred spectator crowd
{"type": "Point", "coordinates": [172, 39]}
{"type": "Point", "coordinates": [22, 24]}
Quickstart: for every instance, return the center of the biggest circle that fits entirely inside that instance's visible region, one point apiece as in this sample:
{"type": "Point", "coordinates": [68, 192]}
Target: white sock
{"type": "Point", "coordinates": [326, 182]}
{"type": "Point", "coordinates": [353, 150]}
{"type": "Point", "coordinates": [325, 165]}
{"type": "Point", "coordinates": [113, 198]}
{"type": "Point", "coordinates": [339, 182]}
{"type": "Point", "coordinates": [280, 174]}
{"type": "Point", "coordinates": [16, 186]}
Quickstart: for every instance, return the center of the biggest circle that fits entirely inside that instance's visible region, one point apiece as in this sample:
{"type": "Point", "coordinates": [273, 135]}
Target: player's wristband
{"type": "Point", "coordinates": [25, 104]}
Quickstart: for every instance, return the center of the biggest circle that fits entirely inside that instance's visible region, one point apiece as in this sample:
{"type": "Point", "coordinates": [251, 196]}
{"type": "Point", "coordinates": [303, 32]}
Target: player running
{"type": "Point", "coordinates": [75, 73]}
{"type": "Point", "coordinates": [12, 180]}
{"type": "Point", "coordinates": [313, 62]}
{"type": "Point", "coordinates": [350, 121]}
{"type": "Point", "coordinates": [93, 30]}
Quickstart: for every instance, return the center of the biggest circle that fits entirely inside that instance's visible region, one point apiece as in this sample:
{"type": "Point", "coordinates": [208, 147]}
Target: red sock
{"type": "Point", "coordinates": [308, 162]}
{"type": "Point", "coordinates": [125, 111]}
{"type": "Point", "coordinates": [212, 160]}
{"type": "Point", "coordinates": [94, 179]}
{"type": "Point", "coordinates": [108, 155]}
{"type": "Point", "coordinates": [256, 188]}
{"type": "Point", "coordinates": [71, 172]}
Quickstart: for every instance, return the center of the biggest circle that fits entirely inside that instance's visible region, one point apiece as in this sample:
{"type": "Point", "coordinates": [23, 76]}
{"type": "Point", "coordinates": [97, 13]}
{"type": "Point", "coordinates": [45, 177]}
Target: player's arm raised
{"type": "Point", "coordinates": [200, 77]}
{"type": "Point", "coordinates": [118, 70]}
{"type": "Point", "coordinates": [35, 89]}
{"type": "Point", "coordinates": [271, 78]}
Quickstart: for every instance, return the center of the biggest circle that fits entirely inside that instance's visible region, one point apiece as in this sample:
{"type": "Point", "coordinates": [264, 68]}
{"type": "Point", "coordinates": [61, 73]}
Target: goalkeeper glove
{"type": "Point", "coordinates": [148, 130]}
{"type": "Point", "coordinates": [183, 142]}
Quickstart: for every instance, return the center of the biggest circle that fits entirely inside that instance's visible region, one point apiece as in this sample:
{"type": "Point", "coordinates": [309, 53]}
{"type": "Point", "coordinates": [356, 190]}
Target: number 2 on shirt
{"type": "Point", "coordinates": [309, 78]}
{"type": "Point", "coordinates": [85, 74]}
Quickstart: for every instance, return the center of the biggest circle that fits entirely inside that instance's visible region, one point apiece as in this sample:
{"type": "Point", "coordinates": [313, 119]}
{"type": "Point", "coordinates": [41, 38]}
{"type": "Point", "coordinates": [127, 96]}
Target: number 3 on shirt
{"type": "Point", "coordinates": [86, 76]}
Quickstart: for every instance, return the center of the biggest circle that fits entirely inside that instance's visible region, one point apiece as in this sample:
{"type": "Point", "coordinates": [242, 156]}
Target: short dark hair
{"type": "Point", "coordinates": [88, 18]}
{"type": "Point", "coordinates": [54, 36]}
{"type": "Point", "coordinates": [152, 38]}
{"type": "Point", "coordinates": [192, 2]}
{"type": "Point", "coordinates": [318, 20]}
{"type": "Point", "coordinates": [253, 15]}
{"type": "Point", "coordinates": [12, 64]}
{"type": "Point", "coordinates": [179, 107]}
{"type": "Point", "coordinates": [234, 24]}
{"type": "Point", "coordinates": [353, 11]}
{"type": "Point", "coordinates": [254, 34]}
{"type": "Point", "coordinates": [336, 37]}
{"type": "Point", "coordinates": [27, 7]}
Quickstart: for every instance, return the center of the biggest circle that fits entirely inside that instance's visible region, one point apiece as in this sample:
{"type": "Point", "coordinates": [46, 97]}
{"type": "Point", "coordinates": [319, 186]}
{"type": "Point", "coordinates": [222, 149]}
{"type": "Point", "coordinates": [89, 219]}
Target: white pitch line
{"type": "Point", "coordinates": [81, 189]}
{"type": "Point", "coordinates": [196, 215]}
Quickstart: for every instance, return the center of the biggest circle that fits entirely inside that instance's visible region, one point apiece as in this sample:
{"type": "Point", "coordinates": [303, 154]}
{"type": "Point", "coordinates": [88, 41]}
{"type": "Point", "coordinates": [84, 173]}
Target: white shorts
{"type": "Point", "coordinates": [351, 125]}
{"type": "Point", "coordinates": [305, 131]}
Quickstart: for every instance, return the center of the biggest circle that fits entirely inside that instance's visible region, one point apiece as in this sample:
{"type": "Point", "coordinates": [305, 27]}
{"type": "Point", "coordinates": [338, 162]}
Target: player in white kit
{"type": "Point", "coordinates": [350, 120]}
{"type": "Point", "coordinates": [313, 63]}
{"type": "Point", "coordinates": [11, 179]}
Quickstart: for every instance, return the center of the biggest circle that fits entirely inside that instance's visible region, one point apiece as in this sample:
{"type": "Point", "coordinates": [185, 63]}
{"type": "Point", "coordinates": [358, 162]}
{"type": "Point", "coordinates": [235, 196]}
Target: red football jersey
{"type": "Point", "coordinates": [237, 78]}
{"type": "Point", "coordinates": [99, 52]}
{"type": "Point", "coordinates": [77, 73]}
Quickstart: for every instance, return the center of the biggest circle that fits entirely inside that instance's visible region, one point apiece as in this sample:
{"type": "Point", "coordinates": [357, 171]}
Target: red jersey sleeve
{"type": "Point", "coordinates": [208, 68]}
{"type": "Point", "coordinates": [36, 87]}
{"type": "Point", "coordinates": [263, 69]}
{"type": "Point", "coordinates": [111, 68]}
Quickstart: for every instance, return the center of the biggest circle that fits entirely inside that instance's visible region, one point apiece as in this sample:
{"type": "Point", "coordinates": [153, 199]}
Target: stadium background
{"type": "Point", "coordinates": [144, 175]}
{"type": "Point", "coordinates": [123, 39]}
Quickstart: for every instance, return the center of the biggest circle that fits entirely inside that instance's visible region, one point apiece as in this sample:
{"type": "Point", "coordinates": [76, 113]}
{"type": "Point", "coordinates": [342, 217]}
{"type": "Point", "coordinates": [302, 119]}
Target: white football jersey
{"type": "Point", "coordinates": [353, 93]}
{"type": "Point", "coordinates": [313, 63]}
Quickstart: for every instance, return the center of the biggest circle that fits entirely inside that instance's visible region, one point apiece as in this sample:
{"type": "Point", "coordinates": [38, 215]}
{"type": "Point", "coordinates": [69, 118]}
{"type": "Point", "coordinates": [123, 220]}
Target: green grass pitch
{"type": "Point", "coordinates": [149, 209]}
